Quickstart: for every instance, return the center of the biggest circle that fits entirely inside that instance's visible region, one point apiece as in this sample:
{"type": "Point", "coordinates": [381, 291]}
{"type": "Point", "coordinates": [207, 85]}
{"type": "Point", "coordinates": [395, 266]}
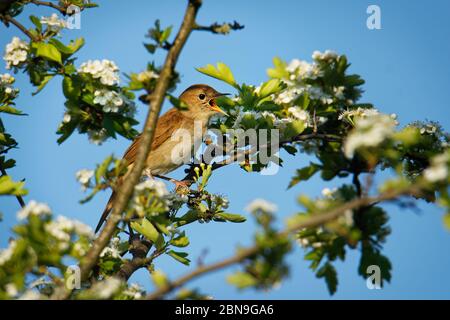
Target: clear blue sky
{"type": "Point", "coordinates": [405, 65]}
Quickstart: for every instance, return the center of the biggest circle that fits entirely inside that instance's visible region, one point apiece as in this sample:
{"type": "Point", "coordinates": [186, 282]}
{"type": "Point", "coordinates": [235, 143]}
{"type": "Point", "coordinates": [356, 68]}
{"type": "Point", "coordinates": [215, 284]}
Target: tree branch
{"type": "Point", "coordinates": [126, 189]}
{"type": "Point", "coordinates": [316, 220]}
{"type": "Point", "coordinates": [8, 19]}
{"type": "Point", "coordinates": [217, 28]}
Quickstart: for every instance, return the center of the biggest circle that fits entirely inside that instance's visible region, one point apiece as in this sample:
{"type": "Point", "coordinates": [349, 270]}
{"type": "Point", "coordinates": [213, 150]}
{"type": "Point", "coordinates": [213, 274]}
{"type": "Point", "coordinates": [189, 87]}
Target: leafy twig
{"type": "Point", "coordinates": [316, 220]}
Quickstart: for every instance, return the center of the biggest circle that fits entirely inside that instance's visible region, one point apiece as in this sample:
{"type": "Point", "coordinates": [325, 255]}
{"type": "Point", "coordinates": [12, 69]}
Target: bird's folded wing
{"type": "Point", "coordinates": [166, 126]}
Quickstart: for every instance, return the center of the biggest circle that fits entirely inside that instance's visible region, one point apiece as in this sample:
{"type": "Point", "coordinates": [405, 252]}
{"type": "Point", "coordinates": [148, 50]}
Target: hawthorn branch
{"type": "Point", "coordinates": [50, 4]}
{"type": "Point", "coordinates": [126, 189]}
{"type": "Point", "coordinates": [217, 28]}
{"type": "Point", "coordinates": [7, 19]}
{"type": "Point", "coordinates": [316, 220]}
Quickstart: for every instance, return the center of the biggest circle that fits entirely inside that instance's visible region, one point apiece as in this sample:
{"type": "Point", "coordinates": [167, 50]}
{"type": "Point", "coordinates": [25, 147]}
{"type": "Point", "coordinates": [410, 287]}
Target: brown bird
{"type": "Point", "coordinates": [201, 106]}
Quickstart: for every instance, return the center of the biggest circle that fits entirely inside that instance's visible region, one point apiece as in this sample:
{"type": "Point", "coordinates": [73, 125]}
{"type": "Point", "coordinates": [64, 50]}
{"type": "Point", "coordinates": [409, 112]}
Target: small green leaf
{"type": "Point", "coordinates": [222, 72]}
{"type": "Point", "coordinates": [44, 82]}
{"type": "Point", "coordinates": [446, 219]}
{"type": "Point", "coordinates": [11, 110]}
{"type": "Point", "coordinates": [242, 280]}
{"type": "Point", "coordinates": [328, 272]}
{"type": "Point", "coordinates": [10, 187]}
{"type": "Point", "coordinates": [270, 87]}
{"type": "Point", "coordinates": [179, 256]}
{"type": "Point", "coordinates": [180, 241]}
{"type": "Point", "coordinates": [304, 174]}
{"type": "Point", "coordinates": [47, 51]}
{"type": "Point", "coordinates": [159, 278]}
{"type": "Point", "coordinates": [237, 218]}
{"type": "Point", "coordinates": [146, 228]}
{"type": "Point", "coordinates": [35, 20]}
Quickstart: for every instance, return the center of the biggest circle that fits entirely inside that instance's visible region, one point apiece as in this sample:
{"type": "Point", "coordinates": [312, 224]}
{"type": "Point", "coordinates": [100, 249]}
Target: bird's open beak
{"type": "Point", "coordinates": [214, 106]}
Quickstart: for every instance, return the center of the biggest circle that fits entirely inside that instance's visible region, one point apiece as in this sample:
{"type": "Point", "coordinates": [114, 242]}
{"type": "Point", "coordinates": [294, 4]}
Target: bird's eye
{"type": "Point", "coordinates": [201, 96]}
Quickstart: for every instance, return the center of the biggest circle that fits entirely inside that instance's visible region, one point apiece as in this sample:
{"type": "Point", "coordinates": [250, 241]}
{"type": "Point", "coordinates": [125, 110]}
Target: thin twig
{"type": "Point", "coordinates": [217, 28]}
{"type": "Point", "coordinates": [316, 220]}
{"type": "Point", "coordinates": [126, 189]}
{"type": "Point", "coordinates": [50, 4]}
{"type": "Point", "coordinates": [8, 19]}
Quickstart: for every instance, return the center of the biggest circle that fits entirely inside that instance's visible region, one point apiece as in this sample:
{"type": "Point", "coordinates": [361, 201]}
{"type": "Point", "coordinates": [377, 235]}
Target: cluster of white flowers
{"type": "Point", "coordinates": [300, 114]}
{"type": "Point", "coordinates": [107, 288]}
{"type": "Point", "coordinates": [158, 187]}
{"type": "Point", "coordinates": [54, 23]}
{"type": "Point", "coordinates": [327, 192]}
{"type": "Point", "coordinates": [105, 70]}
{"type": "Point", "coordinates": [295, 90]}
{"type": "Point", "coordinates": [428, 129]}
{"type": "Point", "coordinates": [369, 131]}
{"type": "Point", "coordinates": [324, 56]}
{"type": "Point", "coordinates": [110, 100]}
{"type": "Point", "coordinates": [300, 70]}
{"type": "Point", "coordinates": [34, 208]}
{"type": "Point", "coordinates": [6, 254]}
{"type": "Point", "coordinates": [112, 250]}
{"type": "Point", "coordinates": [261, 204]}
{"type": "Point", "coordinates": [6, 81]}
{"type": "Point", "coordinates": [16, 52]}
{"type": "Point", "coordinates": [63, 227]}
{"type": "Point", "coordinates": [346, 218]}
{"type": "Point", "coordinates": [438, 170]}
{"type": "Point", "coordinates": [84, 177]}
{"type": "Point", "coordinates": [147, 75]}
{"type": "Point", "coordinates": [97, 136]}
{"type": "Point", "coordinates": [134, 291]}
{"type": "Point", "coordinates": [349, 115]}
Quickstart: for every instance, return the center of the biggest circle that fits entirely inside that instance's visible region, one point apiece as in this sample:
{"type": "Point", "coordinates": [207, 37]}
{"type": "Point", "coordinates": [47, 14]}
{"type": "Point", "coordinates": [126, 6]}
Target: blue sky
{"type": "Point", "coordinates": [405, 65]}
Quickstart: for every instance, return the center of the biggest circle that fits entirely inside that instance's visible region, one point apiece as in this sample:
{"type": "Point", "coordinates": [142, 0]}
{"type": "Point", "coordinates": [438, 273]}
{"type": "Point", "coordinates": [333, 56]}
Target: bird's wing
{"type": "Point", "coordinates": [166, 125]}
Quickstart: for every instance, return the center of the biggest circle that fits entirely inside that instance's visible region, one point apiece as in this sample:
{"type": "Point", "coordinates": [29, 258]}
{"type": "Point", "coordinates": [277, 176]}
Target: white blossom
{"type": "Point", "coordinates": [110, 100]}
{"type": "Point", "coordinates": [325, 56]}
{"type": "Point", "coordinates": [62, 228]}
{"type": "Point", "coordinates": [66, 118]}
{"type": "Point", "coordinates": [300, 114]}
{"type": "Point", "coordinates": [327, 192]}
{"type": "Point", "coordinates": [84, 176]}
{"type": "Point", "coordinates": [107, 288]}
{"type": "Point", "coordinates": [147, 75]}
{"type": "Point", "coordinates": [11, 289]}
{"type": "Point", "coordinates": [157, 186]}
{"type": "Point", "coordinates": [438, 169]}
{"type": "Point", "coordinates": [97, 136]}
{"type": "Point", "coordinates": [105, 70]}
{"type": "Point", "coordinates": [134, 291]}
{"type": "Point", "coordinates": [369, 132]}
{"type": "Point", "coordinates": [34, 208]}
{"type": "Point", "coordinates": [112, 250]}
{"type": "Point", "coordinates": [16, 52]}
{"type": "Point", "coordinates": [6, 254]}
{"type": "Point", "coordinates": [339, 92]}
{"type": "Point", "coordinates": [261, 204]}
{"type": "Point", "coordinates": [54, 23]}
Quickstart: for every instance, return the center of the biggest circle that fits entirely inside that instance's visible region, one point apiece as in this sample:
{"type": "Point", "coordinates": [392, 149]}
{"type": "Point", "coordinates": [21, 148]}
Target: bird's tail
{"type": "Point", "coordinates": [106, 212]}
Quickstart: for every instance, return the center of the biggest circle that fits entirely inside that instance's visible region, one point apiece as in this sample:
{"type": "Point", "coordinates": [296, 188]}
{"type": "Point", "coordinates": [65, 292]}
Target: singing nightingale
{"type": "Point", "coordinates": [201, 106]}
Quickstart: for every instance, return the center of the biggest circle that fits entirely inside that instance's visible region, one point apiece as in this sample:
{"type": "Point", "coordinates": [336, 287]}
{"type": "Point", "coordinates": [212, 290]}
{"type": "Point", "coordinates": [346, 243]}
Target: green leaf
{"type": "Point", "coordinates": [44, 82]}
{"type": "Point", "coordinates": [180, 241]}
{"type": "Point", "coordinates": [237, 218]}
{"type": "Point", "coordinates": [279, 71]}
{"type": "Point", "coordinates": [159, 278]}
{"type": "Point", "coordinates": [270, 87]}
{"type": "Point", "coordinates": [147, 229]}
{"type": "Point", "coordinates": [102, 169]}
{"type": "Point", "coordinates": [294, 128]}
{"type": "Point", "coordinates": [165, 34]}
{"type": "Point", "coordinates": [446, 219]}
{"type": "Point", "coordinates": [11, 110]}
{"type": "Point", "coordinates": [35, 20]}
{"type": "Point", "coordinates": [47, 51]}
{"type": "Point", "coordinates": [71, 88]}
{"type": "Point", "coordinates": [222, 72]}
{"type": "Point", "coordinates": [76, 45]}
{"type": "Point", "coordinates": [242, 280]}
{"type": "Point", "coordinates": [10, 187]}
{"type": "Point", "coordinates": [179, 256]}
{"type": "Point", "coordinates": [304, 174]}
{"type": "Point", "coordinates": [328, 272]}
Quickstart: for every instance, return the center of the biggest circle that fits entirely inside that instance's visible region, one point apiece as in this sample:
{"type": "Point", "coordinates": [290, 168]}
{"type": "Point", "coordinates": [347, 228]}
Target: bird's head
{"type": "Point", "coordinates": [201, 98]}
